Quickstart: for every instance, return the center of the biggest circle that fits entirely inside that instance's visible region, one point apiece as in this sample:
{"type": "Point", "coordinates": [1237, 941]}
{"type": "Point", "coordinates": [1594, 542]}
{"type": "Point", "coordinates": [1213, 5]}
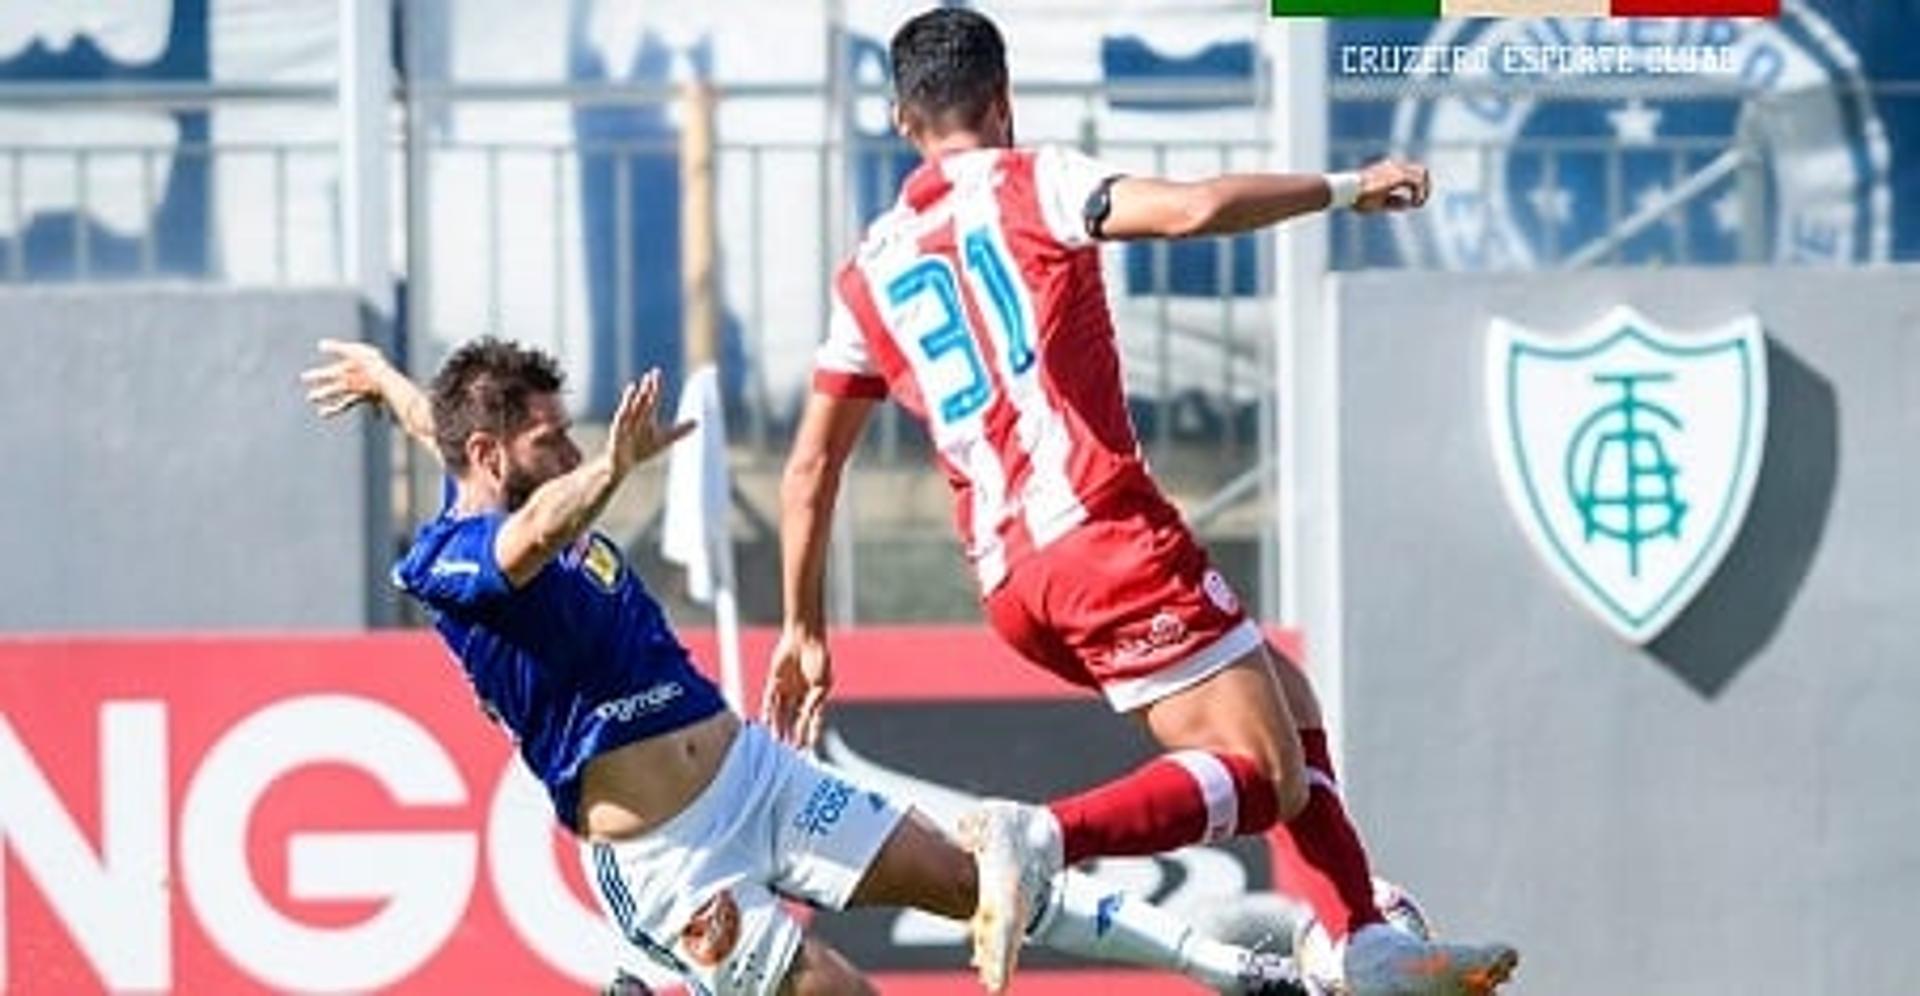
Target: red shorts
{"type": "Point", "coordinates": [1126, 602]}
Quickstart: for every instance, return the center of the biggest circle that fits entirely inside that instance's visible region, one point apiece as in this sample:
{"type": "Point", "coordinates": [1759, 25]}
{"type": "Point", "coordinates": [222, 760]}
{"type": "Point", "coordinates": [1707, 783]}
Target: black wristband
{"type": "Point", "coordinates": [1099, 205]}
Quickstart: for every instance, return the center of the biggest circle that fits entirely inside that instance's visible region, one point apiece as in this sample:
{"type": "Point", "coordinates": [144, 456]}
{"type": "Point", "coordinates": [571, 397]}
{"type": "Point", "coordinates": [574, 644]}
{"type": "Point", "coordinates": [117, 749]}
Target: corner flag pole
{"type": "Point", "coordinates": [699, 484]}
{"type": "Point", "coordinates": [694, 533]}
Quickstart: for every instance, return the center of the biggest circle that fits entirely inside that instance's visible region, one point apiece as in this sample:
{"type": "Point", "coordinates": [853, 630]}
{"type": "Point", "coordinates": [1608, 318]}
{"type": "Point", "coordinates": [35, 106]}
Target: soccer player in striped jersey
{"type": "Point", "coordinates": [694, 825]}
{"type": "Point", "coordinates": [977, 303]}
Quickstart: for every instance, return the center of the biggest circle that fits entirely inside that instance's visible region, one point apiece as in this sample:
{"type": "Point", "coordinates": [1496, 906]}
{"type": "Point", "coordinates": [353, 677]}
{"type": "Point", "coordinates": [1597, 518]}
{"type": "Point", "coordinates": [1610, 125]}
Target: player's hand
{"type": "Point", "coordinates": [798, 680]}
{"type": "Point", "coordinates": [354, 377]}
{"type": "Point", "coordinates": [635, 435]}
{"type": "Point", "coordinates": [1392, 185]}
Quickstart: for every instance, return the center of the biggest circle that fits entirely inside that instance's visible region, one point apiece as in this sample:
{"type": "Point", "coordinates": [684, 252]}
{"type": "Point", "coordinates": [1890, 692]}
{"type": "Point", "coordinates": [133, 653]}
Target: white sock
{"type": "Point", "coordinates": [1085, 917]}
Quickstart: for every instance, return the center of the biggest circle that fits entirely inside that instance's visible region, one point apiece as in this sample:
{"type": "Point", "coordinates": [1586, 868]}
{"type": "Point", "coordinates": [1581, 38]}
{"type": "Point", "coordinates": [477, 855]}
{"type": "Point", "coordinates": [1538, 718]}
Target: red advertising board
{"type": "Point", "coordinates": [239, 814]}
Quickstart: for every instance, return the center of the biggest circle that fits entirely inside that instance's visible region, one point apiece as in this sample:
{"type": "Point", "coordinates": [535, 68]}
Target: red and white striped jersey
{"type": "Point", "coordinates": [977, 303]}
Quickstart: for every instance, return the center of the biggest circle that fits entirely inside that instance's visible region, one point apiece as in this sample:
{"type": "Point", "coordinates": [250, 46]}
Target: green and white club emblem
{"type": "Point", "coordinates": [1628, 453]}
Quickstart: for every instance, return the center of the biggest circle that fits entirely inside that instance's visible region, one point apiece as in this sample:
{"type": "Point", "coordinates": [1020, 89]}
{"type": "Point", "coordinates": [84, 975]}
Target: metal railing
{"type": "Point", "coordinates": [178, 234]}
{"type": "Point", "coordinates": [131, 164]}
{"type": "Point", "coordinates": [141, 208]}
{"type": "Point", "coordinates": [788, 210]}
{"type": "Point", "coordinates": [1193, 355]}
{"type": "Point", "coordinates": [1196, 356]}
{"type": "Point", "coordinates": [1195, 319]}
{"type": "Point", "coordinates": [1191, 351]}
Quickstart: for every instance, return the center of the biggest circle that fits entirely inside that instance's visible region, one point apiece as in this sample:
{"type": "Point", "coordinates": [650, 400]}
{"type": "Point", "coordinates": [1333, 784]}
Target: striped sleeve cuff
{"type": "Point", "coordinates": [841, 384]}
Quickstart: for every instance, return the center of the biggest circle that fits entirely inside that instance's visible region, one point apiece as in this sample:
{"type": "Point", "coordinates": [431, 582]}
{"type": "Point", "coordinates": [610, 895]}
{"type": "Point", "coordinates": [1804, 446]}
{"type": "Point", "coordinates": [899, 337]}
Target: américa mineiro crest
{"type": "Point", "coordinates": [1628, 454]}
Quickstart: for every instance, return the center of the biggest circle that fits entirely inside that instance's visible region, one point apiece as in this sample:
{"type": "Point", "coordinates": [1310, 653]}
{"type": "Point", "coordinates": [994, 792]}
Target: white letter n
{"type": "Point", "coordinates": [115, 906]}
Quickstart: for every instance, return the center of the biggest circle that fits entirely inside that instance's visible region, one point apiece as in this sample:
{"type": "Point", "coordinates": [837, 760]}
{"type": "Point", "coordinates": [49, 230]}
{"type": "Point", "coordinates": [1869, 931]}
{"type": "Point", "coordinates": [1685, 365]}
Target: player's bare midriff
{"type": "Point", "coordinates": [633, 789]}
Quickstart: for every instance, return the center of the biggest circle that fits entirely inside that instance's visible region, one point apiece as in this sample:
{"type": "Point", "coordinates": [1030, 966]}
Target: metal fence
{"type": "Point", "coordinates": [74, 178]}
{"type": "Point", "coordinates": [139, 205]}
{"type": "Point", "coordinates": [495, 237]}
{"type": "Point", "coordinates": [1195, 319]}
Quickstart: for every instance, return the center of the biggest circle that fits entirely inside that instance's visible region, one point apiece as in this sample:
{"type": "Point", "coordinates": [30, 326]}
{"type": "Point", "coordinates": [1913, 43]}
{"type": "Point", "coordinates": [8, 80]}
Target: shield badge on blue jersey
{"type": "Point", "coordinates": [1628, 453]}
{"type": "Point", "coordinates": [600, 559]}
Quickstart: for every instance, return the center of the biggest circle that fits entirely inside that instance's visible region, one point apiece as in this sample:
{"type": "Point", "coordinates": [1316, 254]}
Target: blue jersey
{"type": "Point", "coordinates": [576, 663]}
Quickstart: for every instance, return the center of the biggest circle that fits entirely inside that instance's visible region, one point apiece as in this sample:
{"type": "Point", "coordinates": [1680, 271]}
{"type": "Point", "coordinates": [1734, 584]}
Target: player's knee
{"type": "Point", "coordinates": [846, 983]}
{"type": "Point", "coordinates": [1290, 795]}
{"type": "Point", "coordinates": [1287, 782]}
{"type": "Point", "coordinates": [952, 886]}
{"type": "Point", "coordinates": [919, 867]}
{"type": "Point", "coordinates": [818, 970]}
{"type": "Point", "coordinates": [1290, 785]}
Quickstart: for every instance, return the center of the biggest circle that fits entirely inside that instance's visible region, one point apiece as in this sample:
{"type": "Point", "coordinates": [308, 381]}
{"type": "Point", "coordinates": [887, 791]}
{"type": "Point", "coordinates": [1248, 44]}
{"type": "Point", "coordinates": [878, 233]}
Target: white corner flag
{"type": "Point", "coordinates": [695, 533]}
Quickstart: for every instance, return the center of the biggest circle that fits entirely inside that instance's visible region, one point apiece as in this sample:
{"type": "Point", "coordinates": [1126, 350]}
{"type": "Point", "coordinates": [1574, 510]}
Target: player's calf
{"type": "Point", "coordinates": [1186, 797]}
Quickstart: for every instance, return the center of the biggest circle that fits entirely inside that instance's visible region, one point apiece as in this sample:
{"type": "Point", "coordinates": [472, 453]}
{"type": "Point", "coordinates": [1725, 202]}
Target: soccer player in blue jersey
{"type": "Point", "coordinates": [694, 823]}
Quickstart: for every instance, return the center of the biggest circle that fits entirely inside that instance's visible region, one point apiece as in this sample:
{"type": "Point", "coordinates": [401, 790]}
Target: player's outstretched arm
{"type": "Point", "coordinates": [359, 374]}
{"type": "Point", "coordinates": [561, 509]}
{"type": "Point", "coordinates": [801, 671]}
{"type": "Point", "coordinates": [1140, 207]}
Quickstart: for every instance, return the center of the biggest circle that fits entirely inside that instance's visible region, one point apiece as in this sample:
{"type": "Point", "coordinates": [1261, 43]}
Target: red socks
{"type": "Point", "coordinates": [1320, 856]}
{"type": "Point", "coordinates": [1186, 797]}
{"type": "Point", "coordinates": [1192, 797]}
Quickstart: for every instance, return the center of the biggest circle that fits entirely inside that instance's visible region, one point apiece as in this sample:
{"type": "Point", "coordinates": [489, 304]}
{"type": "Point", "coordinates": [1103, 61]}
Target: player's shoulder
{"type": "Point", "coordinates": [448, 545]}
{"type": "Point", "coordinates": [992, 168]}
{"type": "Point", "coordinates": [902, 224]}
{"type": "Point", "coordinates": [1046, 155]}
{"type": "Point", "coordinates": [887, 228]}
{"type": "Point", "coordinates": [451, 530]}
{"type": "Point", "coordinates": [1057, 162]}
{"type": "Point", "coordinates": [1030, 156]}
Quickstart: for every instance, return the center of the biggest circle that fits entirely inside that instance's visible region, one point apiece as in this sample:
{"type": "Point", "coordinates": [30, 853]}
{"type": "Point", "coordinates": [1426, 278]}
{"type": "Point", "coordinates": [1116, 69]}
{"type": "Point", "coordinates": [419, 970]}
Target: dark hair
{"type": "Point", "coordinates": [484, 387]}
{"type": "Point", "coordinates": [948, 66]}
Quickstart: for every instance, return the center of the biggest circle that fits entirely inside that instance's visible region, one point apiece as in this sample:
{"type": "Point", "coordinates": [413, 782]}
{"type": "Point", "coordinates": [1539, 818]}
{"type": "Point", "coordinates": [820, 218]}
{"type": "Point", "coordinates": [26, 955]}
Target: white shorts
{"type": "Point", "coordinates": [700, 894]}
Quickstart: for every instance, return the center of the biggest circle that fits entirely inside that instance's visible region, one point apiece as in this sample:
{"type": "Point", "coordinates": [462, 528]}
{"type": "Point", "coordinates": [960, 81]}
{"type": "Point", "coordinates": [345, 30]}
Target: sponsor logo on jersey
{"type": "Point", "coordinates": [641, 703]}
{"type": "Point", "coordinates": [1163, 631]}
{"type": "Point", "coordinates": [600, 560]}
{"type": "Point", "coordinates": [711, 935]}
{"type": "Point", "coordinates": [453, 568]}
{"type": "Point", "coordinates": [824, 807]}
{"type": "Point", "coordinates": [1629, 454]}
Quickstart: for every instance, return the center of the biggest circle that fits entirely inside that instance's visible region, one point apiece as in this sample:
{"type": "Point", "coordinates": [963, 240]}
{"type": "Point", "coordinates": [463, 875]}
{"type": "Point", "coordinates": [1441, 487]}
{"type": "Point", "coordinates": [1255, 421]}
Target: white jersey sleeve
{"type": "Point", "coordinates": [843, 365]}
{"type": "Point", "coordinates": [1064, 178]}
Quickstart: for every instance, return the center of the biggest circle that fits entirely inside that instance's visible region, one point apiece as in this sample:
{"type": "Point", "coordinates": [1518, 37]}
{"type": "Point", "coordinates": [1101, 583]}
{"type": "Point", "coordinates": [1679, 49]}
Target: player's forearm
{"type": "Point", "coordinates": [1248, 201]}
{"type": "Point", "coordinates": [555, 515]}
{"type": "Point", "coordinates": [409, 407]}
{"type": "Point", "coordinates": [1142, 207]}
{"type": "Point", "coordinates": [807, 495]}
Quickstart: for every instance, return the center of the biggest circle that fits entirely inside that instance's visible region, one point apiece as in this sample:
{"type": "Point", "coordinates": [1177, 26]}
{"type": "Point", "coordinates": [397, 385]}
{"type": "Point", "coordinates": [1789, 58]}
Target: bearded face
{"type": "Point", "coordinates": [540, 451]}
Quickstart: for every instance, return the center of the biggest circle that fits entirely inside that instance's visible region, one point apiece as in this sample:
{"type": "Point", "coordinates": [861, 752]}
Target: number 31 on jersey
{"type": "Point", "coordinates": [949, 351]}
